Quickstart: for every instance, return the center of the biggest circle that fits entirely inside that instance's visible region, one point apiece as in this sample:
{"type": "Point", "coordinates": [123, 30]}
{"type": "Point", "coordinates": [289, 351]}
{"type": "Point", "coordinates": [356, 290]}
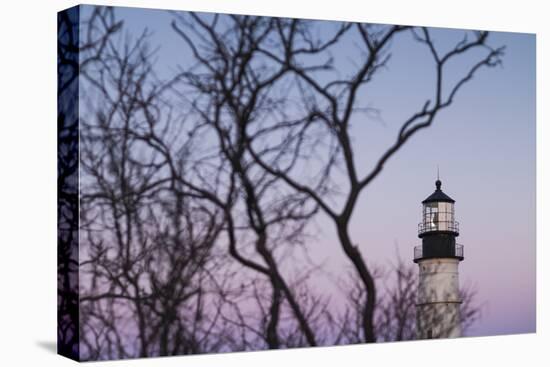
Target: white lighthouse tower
{"type": "Point", "coordinates": [438, 298]}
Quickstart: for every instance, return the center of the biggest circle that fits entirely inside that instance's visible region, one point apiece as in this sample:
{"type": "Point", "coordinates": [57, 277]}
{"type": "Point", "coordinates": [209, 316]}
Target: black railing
{"type": "Point", "coordinates": [441, 225]}
{"type": "Point", "coordinates": [459, 251]}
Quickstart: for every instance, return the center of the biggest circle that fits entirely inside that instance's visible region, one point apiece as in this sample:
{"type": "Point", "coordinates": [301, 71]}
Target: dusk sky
{"type": "Point", "coordinates": [484, 145]}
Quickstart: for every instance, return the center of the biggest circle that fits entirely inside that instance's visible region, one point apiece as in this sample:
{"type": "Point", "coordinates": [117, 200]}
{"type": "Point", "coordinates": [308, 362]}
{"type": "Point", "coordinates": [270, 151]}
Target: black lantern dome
{"type": "Point", "coordinates": [438, 228]}
{"type": "Point", "coordinates": [438, 195]}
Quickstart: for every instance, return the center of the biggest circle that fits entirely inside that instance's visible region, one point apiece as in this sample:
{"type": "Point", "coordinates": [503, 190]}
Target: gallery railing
{"type": "Point", "coordinates": [441, 225]}
{"type": "Point", "coordinates": [459, 252]}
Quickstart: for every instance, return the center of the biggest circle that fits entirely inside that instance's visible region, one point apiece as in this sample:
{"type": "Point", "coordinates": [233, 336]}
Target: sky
{"type": "Point", "coordinates": [484, 146]}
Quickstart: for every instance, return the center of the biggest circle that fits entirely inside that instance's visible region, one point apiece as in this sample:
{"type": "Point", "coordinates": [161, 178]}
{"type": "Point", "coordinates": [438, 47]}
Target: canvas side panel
{"type": "Point", "coordinates": [67, 183]}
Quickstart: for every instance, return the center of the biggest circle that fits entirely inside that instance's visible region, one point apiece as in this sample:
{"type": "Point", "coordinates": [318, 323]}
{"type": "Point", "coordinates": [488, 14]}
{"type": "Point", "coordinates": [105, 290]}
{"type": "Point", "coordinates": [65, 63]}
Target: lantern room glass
{"type": "Point", "coordinates": [438, 216]}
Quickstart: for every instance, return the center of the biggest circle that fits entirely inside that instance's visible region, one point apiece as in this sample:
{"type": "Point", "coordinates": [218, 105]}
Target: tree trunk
{"type": "Point", "coordinates": [353, 253]}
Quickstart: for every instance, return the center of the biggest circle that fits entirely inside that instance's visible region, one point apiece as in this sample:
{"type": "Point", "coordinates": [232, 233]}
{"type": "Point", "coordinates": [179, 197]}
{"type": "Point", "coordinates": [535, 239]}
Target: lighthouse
{"type": "Point", "coordinates": [438, 298]}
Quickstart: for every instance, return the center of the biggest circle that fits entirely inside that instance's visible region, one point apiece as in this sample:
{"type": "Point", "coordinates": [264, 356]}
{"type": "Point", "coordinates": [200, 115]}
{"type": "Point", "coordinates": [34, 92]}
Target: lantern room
{"type": "Point", "coordinates": [438, 213]}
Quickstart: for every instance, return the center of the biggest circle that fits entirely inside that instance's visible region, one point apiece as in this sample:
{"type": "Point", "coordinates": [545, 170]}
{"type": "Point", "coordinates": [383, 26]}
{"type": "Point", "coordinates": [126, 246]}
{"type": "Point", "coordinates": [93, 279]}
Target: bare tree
{"type": "Point", "coordinates": [227, 90]}
{"type": "Point", "coordinates": [70, 59]}
{"type": "Point", "coordinates": [67, 184]}
{"type": "Point", "coordinates": [147, 245]}
{"type": "Point", "coordinates": [396, 310]}
{"type": "Point", "coordinates": [333, 102]}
